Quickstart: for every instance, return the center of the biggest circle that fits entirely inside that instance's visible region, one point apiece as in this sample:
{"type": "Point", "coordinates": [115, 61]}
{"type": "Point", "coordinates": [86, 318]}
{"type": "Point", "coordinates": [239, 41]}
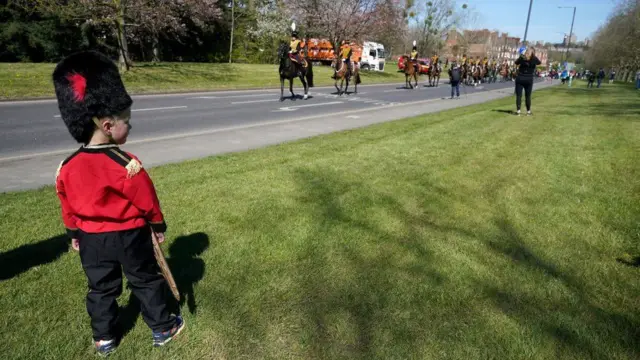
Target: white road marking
{"type": "Point", "coordinates": [148, 109]}
{"type": "Point", "coordinates": [234, 96]}
{"type": "Point", "coordinates": [353, 117]}
{"type": "Point", "coordinates": [254, 101]}
{"type": "Point", "coordinates": [160, 108]}
{"type": "Point", "coordinates": [292, 108]}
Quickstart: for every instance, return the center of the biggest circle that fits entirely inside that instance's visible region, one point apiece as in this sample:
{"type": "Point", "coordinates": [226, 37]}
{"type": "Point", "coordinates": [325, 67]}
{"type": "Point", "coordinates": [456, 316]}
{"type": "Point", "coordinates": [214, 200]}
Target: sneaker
{"type": "Point", "coordinates": [518, 113]}
{"type": "Point", "coordinates": [105, 347]}
{"type": "Point", "coordinates": [162, 338]}
{"type": "Point", "coordinates": [529, 113]}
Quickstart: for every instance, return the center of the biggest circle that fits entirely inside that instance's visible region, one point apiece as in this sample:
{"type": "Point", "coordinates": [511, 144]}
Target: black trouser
{"type": "Point", "coordinates": [103, 257]}
{"type": "Point", "coordinates": [526, 83]}
{"type": "Point", "coordinates": [455, 85]}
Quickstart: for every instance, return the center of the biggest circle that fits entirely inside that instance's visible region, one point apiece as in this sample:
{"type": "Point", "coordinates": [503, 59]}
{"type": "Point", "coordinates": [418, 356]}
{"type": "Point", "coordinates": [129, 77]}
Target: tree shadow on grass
{"type": "Point", "coordinates": [15, 262]}
{"type": "Point", "coordinates": [388, 274]}
{"type": "Point", "coordinates": [372, 279]}
{"type": "Point", "coordinates": [353, 285]}
{"type": "Point", "coordinates": [573, 320]}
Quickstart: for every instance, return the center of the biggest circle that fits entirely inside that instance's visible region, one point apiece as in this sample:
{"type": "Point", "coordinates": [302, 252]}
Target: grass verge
{"type": "Point", "coordinates": [467, 234]}
{"type": "Point", "coordinates": [32, 80]}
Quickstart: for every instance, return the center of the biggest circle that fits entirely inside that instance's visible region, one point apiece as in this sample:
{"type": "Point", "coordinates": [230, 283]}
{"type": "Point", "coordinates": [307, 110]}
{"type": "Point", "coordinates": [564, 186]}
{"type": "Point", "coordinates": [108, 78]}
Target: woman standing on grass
{"type": "Point", "coordinates": [526, 63]}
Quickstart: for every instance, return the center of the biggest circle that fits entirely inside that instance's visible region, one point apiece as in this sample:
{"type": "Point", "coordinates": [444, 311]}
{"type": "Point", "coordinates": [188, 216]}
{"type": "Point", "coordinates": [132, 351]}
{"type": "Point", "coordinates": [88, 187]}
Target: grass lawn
{"type": "Point", "coordinates": [31, 80]}
{"type": "Point", "coordinates": [466, 234]}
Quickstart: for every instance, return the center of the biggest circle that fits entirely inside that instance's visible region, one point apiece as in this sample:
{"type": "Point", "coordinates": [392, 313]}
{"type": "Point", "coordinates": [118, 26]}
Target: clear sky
{"type": "Point", "coordinates": [548, 23]}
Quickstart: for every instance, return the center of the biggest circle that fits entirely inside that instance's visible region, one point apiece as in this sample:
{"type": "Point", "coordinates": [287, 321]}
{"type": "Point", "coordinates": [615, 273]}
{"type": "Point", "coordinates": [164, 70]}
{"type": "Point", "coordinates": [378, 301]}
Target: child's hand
{"type": "Point", "coordinates": [159, 237]}
{"type": "Point", "coordinates": [75, 244]}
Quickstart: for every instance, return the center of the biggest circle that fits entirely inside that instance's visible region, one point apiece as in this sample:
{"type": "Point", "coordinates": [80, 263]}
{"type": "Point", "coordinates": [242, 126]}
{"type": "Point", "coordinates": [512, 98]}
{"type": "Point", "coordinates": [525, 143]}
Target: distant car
{"type": "Point", "coordinates": [423, 65]}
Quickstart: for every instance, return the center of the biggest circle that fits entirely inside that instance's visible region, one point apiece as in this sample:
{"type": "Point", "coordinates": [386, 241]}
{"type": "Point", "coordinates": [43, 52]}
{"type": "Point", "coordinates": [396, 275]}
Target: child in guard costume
{"type": "Point", "coordinates": [109, 204]}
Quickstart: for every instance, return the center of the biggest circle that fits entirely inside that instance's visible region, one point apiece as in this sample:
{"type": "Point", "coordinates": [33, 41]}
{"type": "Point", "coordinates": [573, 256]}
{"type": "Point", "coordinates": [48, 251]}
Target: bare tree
{"type": "Point", "coordinates": [615, 43]}
{"type": "Point", "coordinates": [432, 20]}
{"type": "Point", "coordinates": [335, 19]}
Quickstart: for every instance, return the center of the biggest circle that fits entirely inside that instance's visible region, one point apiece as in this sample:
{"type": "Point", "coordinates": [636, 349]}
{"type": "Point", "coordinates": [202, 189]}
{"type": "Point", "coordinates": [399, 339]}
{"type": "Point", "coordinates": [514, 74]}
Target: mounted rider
{"type": "Point", "coordinates": [295, 46]}
{"type": "Point", "coordinates": [435, 61]}
{"type": "Point", "coordinates": [414, 55]}
{"type": "Point", "coordinates": [345, 55]}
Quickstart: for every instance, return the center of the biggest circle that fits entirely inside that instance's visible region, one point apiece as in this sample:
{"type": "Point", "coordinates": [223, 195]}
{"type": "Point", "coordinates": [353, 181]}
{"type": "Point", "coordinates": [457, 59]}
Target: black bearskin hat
{"type": "Point", "coordinates": [88, 85]}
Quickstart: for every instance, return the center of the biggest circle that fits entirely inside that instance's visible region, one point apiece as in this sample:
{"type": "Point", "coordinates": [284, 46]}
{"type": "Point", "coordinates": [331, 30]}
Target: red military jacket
{"type": "Point", "coordinates": [103, 189]}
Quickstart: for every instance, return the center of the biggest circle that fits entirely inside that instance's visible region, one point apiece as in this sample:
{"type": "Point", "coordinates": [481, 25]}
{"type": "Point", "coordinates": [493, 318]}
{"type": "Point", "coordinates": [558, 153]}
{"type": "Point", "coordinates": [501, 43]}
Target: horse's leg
{"type": "Point", "coordinates": [356, 82]}
{"type": "Point", "coordinates": [281, 88]}
{"type": "Point", "coordinates": [336, 85]}
{"type": "Point", "coordinates": [293, 96]}
{"type": "Point", "coordinates": [306, 87]}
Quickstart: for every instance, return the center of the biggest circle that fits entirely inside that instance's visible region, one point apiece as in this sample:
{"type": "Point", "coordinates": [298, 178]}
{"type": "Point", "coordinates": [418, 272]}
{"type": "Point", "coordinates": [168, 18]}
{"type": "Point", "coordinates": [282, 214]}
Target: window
{"type": "Point", "coordinates": [381, 53]}
{"type": "Point", "coordinates": [372, 53]}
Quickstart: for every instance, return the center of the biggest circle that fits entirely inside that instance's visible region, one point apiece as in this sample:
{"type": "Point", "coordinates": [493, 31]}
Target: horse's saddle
{"type": "Point", "coordinates": [299, 60]}
{"type": "Point", "coordinates": [345, 67]}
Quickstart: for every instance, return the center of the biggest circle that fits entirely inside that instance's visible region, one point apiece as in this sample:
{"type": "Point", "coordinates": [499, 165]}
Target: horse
{"type": "Point", "coordinates": [343, 75]}
{"type": "Point", "coordinates": [504, 72]}
{"type": "Point", "coordinates": [409, 71]}
{"type": "Point", "coordinates": [476, 72]}
{"type": "Point", "coordinates": [493, 73]}
{"type": "Point", "coordinates": [486, 73]}
{"type": "Point", "coordinates": [465, 73]}
{"type": "Point", "coordinates": [290, 70]}
{"type": "Point", "coordinates": [434, 73]}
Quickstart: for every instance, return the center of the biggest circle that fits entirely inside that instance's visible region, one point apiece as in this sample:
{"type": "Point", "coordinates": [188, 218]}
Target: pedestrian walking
{"type": "Point", "coordinates": [601, 76]}
{"type": "Point", "coordinates": [612, 76]}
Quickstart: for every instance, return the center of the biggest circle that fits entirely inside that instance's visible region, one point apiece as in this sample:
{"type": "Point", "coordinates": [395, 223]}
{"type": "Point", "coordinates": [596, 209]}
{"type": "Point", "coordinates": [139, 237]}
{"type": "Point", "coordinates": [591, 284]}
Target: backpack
{"type": "Point", "coordinates": [455, 74]}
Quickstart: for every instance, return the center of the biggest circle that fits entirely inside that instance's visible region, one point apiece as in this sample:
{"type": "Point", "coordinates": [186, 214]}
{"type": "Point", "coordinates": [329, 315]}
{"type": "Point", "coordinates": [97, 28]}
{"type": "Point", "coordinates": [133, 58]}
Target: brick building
{"type": "Point", "coordinates": [492, 44]}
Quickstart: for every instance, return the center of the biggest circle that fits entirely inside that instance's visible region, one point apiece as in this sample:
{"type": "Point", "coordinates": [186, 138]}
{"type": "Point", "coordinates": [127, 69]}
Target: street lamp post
{"type": "Point", "coordinates": [570, 31]}
{"type": "Point", "coordinates": [526, 29]}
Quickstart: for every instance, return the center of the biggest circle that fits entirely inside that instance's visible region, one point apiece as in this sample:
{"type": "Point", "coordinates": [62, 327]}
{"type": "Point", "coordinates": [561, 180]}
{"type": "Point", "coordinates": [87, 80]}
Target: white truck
{"type": "Point", "coordinates": [373, 56]}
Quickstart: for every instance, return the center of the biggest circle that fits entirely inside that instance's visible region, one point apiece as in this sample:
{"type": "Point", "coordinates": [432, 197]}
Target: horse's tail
{"type": "Point", "coordinates": [310, 74]}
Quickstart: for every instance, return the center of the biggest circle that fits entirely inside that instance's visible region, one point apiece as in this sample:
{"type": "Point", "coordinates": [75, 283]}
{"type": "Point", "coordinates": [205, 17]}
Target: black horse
{"type": "Point", "coordinates": [290, 70]}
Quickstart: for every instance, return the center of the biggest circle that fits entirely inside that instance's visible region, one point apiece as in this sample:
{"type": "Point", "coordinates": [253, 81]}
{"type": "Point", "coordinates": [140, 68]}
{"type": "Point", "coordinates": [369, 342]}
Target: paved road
{"type": "Point", "coordinates": [169, 128]}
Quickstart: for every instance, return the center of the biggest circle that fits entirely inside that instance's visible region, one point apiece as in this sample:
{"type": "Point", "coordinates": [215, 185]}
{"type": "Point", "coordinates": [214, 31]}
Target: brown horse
{"type": "Point", "coordinates": [434, 74]}
{"type": "Point", "coordinates": [466, 74]}
{"type": "Point", "coordinates": [504, 72]}
{"type": "Point", "coordinates": [409, 72]}
{"type": "Point", "coordinates": [476, 74]}
{"type": "Point", "coordinates": [341, 73]}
